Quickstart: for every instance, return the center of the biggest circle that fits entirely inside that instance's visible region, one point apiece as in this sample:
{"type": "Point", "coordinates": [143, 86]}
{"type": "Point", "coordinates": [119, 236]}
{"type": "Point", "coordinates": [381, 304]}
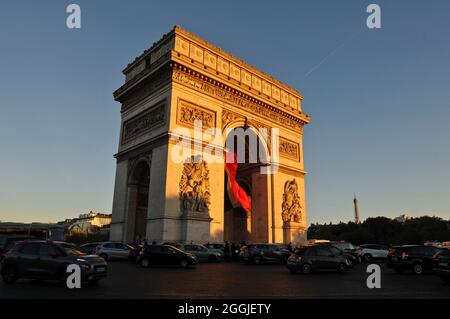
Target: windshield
{"type": "Point", "coordinates": [344, 246]}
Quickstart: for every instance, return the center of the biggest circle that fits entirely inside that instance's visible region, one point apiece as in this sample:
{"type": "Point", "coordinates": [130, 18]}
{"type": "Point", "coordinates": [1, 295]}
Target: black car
{"type": "Point", "coordinates": [442, 264]}
{"type": "Point", "coordinates": [165, 255]}
{"type": "Point", "coordinates": [134, 251]}
{"type": "Point", "coordinates": [9, 243]}
{"type": "Point", "coordinates": [39, 259]}
{"type": "Point", "coordinates": [259, 253]}
{"type": "Point", "coordinates": [89, 248]}
{"type": "Point", "coordinates": [316, 258]}
{"type": "Point", "coordinates": [418, 258]}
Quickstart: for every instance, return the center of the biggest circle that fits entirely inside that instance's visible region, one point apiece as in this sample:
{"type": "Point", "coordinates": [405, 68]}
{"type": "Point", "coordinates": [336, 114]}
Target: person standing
{"type": "Point", "coordinates": [227, 251]}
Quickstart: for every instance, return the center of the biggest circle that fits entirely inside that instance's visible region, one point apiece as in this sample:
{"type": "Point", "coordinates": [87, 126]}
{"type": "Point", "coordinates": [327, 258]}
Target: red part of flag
{"type": "Point", "coordinates": [236, 193]}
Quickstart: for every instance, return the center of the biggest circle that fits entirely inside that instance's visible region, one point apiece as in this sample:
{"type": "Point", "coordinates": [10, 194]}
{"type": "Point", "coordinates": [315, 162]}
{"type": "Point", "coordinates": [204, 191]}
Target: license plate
{"type": "Point", "coordinates": [394, 259]}
{"type": "Point", "coordinates": [443, 264]}
{"type": "Point", "coordinates": [100, 269]}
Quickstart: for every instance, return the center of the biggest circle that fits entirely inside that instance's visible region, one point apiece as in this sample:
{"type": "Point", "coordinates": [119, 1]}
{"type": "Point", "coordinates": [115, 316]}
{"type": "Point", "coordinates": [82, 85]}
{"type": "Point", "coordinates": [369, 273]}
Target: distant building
{"type": "Point", "coordinates": [90, 223]}
{"type": "Point", "coordinates": [41, 230]}
{"type": "Point", "coordinates": [402, 218]}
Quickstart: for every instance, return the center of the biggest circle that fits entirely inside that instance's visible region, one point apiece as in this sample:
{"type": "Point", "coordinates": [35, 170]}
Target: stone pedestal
{"type": "Point", "coordinates": [195, 226]}
{"type": "Point", "coordinates": [293, 233]}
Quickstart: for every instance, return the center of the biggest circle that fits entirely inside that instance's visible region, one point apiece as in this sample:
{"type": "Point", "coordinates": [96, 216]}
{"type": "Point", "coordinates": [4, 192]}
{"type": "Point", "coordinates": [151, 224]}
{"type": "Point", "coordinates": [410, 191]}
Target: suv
{"type": "Point", "coordinates": [113, 250]}
{"type": "Point", "coordinates": [9, 243]}
{"type": "Point", "coordinates": [39, 259]}
{"type": "Point", "coordinates": [417, 258]}
{"type": "Point", "coordinates": [259, 253]}
{"type": "Point", "coordinates": [165, 255]}
{"type": "Point", "coordinates": [201, 252]}
{"type": "Point", "coordinates": [442, 264]}
{"type": "Point", "coordinates": [318, 257]}
{"type": "Point", "coordinates": [371, 251]}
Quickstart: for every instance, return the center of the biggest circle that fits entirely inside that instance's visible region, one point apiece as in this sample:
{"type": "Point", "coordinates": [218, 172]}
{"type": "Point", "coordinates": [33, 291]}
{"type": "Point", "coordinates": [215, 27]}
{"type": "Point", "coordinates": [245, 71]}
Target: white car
{"type": "Point", "coordinates": [113, 250]}
{"type": "Point", "coordinates": [372, 251]}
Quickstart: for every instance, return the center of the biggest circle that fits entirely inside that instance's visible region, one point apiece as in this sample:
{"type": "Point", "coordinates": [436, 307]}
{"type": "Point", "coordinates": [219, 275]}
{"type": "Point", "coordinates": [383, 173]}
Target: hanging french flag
{"type": "Point", "coordinates": [236, 193]}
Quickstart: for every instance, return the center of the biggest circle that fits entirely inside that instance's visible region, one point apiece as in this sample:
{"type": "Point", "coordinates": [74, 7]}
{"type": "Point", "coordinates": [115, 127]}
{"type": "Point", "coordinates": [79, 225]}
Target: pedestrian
{"type": "Point", "coordinates": [289, 246]}
{"type": "Point", "coordinates": [233, 251]}
{"type": "Point", "coordinates": [227, 251]}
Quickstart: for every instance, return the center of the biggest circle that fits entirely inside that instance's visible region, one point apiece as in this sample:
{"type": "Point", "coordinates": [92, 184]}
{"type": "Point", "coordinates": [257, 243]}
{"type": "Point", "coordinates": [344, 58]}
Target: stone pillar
{"type": "Point", "coordinates": [195, 226]}
{"type": "Point", "coordinates": [260, 208]}
{"type": "Point", "coordinates": [293, 233]}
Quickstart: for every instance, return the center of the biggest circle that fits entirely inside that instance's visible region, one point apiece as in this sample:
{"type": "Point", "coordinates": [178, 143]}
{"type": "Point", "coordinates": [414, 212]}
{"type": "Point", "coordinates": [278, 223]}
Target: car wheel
{"type": "Point", "coordinates": [367, 258]}
{"type": "Point", "coordinates": [9, 274]}
{"type": "Point", "coordinates": [342, 268]}
{"type": "Point", "coordinates": [145, 263]}
{"type": "Point", "coordinates": [418, 269]}
{"type": "Point", "coordinates": [104, 256]}
{"type": "Point", "coordinates": [257, 260]}
{"type": "Point", "coordinates": [184, 263]}
{"type": "Point", "coordinates": [306, 269]}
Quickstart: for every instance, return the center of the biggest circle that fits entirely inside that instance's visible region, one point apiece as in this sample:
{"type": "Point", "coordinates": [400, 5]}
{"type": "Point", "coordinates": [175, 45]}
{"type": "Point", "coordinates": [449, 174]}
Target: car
{"type": "Point", "coordinates": [442, 264]}
{"type": "Point", "coordinates": [308, 259]}
{"type": "Point", "coordinates": [89, 248]}
{"type": "Point", "coordinates": [9, 242]}
{"type": "Point", "coordinates": [418, 258]}
{"type": "Point", "coordinates": [260, 253]}
{"type": "Point", "coordinates": [113, 251]}
{"type": "Point", "coordinates": [368, 252]}
{"type": "Point", "coordinates": [201, 252]}
{"type": "Point", "coordinates": [348, 248]}
{"type": "Point", "coordinates": [165, 255]}
{"type": "Point", "coordinates": [352, 255]}
{"type": "Point", "coordinates": [215, 246]}
{"type": "Point", "coordinates": [135, 250]}
{"type": "Point", "coordinates": [47, 260]}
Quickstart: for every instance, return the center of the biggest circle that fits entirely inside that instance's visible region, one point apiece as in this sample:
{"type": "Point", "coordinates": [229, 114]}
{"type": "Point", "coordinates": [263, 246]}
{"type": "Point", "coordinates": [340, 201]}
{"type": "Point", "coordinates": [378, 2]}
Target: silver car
{"type": "Point", "coordinates": [113, 250]}
{"type": "Point", "coordinates": [371, 251]}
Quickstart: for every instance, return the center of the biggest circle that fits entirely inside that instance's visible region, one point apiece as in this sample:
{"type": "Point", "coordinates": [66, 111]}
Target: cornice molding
{"type": "Point", "coordinates": [207, 85]}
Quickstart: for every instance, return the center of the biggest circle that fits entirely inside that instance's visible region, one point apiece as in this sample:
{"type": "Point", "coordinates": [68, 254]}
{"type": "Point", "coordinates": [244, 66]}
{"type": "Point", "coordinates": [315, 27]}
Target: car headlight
{"type": "Point", "coordinates": [218, 254]}
{"type": "Point", "coordinates": [85, 267]}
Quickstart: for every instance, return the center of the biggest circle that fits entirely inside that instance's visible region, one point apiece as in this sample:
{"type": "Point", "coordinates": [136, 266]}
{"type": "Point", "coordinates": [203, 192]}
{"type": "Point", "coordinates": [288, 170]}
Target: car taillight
{"type": "Point", "coordinates": [299, 258]}
{"type": "Point", "coordinates": [141, 253]}
{"type": "Point", "coordinates": [404, 255]}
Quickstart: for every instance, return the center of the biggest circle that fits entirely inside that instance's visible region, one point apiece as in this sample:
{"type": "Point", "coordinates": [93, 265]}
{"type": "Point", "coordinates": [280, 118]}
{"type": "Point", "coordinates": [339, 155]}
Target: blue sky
{"type": "Point", "coordinates": [380, 101]}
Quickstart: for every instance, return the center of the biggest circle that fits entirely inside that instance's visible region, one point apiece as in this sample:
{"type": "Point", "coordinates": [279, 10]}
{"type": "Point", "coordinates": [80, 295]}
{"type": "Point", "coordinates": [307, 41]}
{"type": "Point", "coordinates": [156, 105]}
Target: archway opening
{"type": "Point", "coordinates": [241, 226]}
{"type": "Point", "coordinates": [140, 185]}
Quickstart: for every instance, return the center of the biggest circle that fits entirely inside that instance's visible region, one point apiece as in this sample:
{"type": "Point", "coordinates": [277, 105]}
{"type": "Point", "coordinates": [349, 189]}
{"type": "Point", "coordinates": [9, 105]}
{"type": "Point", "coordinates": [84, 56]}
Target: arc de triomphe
{"type": "Point", "coordinates": [179, 80]}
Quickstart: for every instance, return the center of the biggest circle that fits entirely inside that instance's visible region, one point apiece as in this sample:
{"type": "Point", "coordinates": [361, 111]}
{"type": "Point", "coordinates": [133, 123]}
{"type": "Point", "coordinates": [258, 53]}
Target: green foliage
{"type": "Point", "coordinates": [384, 230]}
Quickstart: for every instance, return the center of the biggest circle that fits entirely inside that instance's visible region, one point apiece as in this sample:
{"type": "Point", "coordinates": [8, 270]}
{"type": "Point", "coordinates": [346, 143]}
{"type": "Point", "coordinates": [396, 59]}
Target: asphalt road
{"type": "Point", "coordinates": [234, 280]}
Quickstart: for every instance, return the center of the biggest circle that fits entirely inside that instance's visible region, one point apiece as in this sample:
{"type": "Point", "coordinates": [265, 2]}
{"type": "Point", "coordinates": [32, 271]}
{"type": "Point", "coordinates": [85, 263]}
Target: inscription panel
{"type": "Point", "coordinates": [144, 122]}
{"type": "Point", "coordinates": [289, 149]}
